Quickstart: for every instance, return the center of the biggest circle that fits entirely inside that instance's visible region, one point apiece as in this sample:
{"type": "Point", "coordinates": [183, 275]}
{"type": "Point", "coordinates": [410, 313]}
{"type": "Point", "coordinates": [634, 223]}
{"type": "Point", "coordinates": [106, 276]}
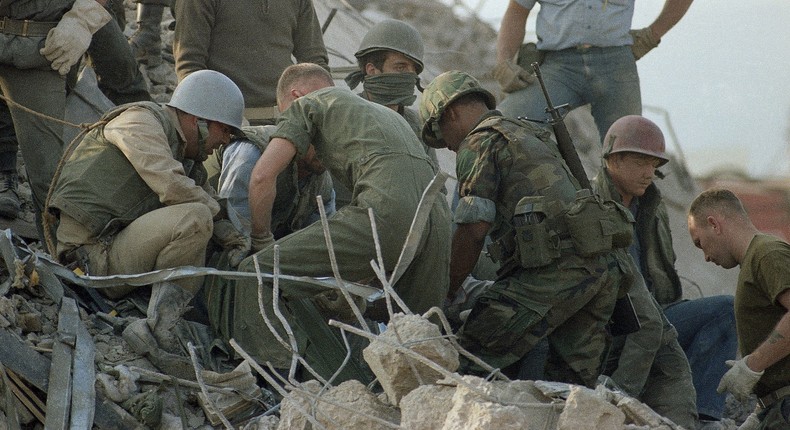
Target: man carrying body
{"type": "Point", "coordinates": [129, 198]}
{"type": "Point", "coordinates": [370, 148]}
{"type": "Point", "coordinates": [649, 364]}
{"type": "Point", "coordinates": [720, 227]}
{"type": "Point", "coordinates": [505, 166]}
{"type": "Point", "coordinates": [589, 55]}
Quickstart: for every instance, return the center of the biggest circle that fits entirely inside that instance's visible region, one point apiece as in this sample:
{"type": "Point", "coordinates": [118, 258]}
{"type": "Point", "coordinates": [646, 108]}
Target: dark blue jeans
{"type": "Point", "coordinates": [706, 332]}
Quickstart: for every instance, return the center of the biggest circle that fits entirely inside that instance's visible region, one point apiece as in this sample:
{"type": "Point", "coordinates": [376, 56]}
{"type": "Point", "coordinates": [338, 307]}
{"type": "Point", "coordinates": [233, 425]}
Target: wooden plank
{"type": "Point", "coordinates": [59, 393]}
{"type": "Point", "coordinates": [83, 393]}
{"type": "Point", "coordinates": [34, 368]}
{"type": "Point", "coordinates": [26, 396]}
{"type": "Point", "coordinates": [11, 417]}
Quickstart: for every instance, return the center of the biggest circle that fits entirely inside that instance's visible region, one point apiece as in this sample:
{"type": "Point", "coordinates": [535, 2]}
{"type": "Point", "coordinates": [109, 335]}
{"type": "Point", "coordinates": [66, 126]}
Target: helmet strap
{"type": "Point", "coordinates": [202, 136]}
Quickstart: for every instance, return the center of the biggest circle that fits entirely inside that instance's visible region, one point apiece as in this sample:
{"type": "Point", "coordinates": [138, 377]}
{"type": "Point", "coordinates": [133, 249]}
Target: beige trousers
{"type": "Point", "coordinates": [168, 237]}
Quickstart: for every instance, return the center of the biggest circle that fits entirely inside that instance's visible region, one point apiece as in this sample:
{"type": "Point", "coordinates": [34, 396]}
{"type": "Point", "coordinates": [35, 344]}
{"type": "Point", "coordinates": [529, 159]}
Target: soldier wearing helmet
{"type": "Point", "coordinates": [633, 150]}
{"type": "Point", "coordinates": [510, 174]}
{"type": "Point", "coordinates": [130, 199]}
{"type": "Point", "coordinates": [390, 60]}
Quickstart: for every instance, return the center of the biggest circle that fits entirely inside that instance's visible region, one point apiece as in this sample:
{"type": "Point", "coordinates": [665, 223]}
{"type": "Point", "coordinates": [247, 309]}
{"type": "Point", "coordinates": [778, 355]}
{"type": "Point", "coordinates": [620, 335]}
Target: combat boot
{"type": "Point", "coordinates": [9, 195]}
{"type": "Point", "coordinates": [157, 336]}
{"type": "Point", "coordinates": [146, 42]}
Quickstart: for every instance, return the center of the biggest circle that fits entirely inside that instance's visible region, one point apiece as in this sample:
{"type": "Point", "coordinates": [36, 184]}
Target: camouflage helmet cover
{"type": "Point", "coordinates": [634, 133]}
{"type": "Point", "coordinates": [393, 35]}
{"type": "Point", "coordinates": [439, 94]}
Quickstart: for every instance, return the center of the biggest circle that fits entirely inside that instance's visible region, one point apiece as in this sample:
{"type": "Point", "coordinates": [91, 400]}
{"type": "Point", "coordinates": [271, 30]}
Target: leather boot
{"type": "Point", "coordinates": [157, 336]}
{"type": "Point", "coordinates": [9, 195]}
{"type": "Point", "coordinates": [146, 42]}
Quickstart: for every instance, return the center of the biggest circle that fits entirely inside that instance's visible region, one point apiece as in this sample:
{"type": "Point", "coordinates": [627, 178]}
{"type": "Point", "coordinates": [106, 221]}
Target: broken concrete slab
{"type": "Point", "coordinates": [398, 374]}
{"type": "Point", "coordinates": [426, 407]}
{"type": "Point", "coordinates": [586, 409]}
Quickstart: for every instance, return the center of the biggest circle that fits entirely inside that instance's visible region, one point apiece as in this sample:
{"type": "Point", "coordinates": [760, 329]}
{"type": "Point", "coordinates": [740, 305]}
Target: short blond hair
{"type": "Point", "coordinates": [717, 200]}
{"type": "Point", "coordinates": [299, 74]}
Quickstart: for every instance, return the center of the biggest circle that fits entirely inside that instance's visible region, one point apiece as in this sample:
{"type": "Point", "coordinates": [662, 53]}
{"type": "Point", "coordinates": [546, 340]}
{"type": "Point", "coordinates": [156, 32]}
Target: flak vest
{"type": "Point", "coordinates": [100, 188]}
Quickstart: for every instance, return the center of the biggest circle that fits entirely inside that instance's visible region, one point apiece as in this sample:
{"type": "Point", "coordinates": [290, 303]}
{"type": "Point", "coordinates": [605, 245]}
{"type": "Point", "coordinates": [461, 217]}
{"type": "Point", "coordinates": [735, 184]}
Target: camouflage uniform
{"type": "Point", "coordinates": [570, 299]}
{"type": "Point", "coordinates": [372, 151]}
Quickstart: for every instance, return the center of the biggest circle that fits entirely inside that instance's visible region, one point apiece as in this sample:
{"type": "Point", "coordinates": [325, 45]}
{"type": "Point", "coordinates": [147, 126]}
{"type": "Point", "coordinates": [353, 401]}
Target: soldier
{"type": "Point", "coordinates": [721, 228]}
{"type": "Point", "coordinates": [40, 43]}
{"type": "Point", "coordinates": [129, 199]}
{"type": "Point", "coordinates": [650, 364]}
{"type": "Point", "coordinates": [370, 148]}
{"type": "Point", "coordinates": [553, 282]}
{"type": "Point", "coordinates": [270, 32]}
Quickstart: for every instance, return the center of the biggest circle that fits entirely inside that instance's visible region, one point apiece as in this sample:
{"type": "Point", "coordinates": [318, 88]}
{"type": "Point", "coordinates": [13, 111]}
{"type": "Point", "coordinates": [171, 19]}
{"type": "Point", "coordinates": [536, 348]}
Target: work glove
{"type": "Point", "coordinates": [739, 380]}
{"type": "Point", "coordinates": [643, 42]}
{"type": "Point", "coordinates": [70, 39]}
{"type": "Point", "coordinates": [260, 241]}
{"type": "Point", "coordinates": [512, 77]}
{"type": "Point", "coordinates": [751, 423]}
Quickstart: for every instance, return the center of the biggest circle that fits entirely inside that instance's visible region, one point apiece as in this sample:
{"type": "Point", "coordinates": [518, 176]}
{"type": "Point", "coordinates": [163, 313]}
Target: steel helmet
{"type": "Point", "coordinates": [442, 91]}
{"type": "Point", "coordinates": [210, 95]}
{"type": "Point", "coordinates": [393, 35]}
{"type": "Point", "coordinates": [634, 133]}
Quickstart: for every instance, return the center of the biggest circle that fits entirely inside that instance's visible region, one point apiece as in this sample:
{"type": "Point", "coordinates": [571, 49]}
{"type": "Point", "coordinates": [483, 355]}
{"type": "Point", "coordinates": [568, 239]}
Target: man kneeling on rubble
{"type": "Point", "coordinates": [372, 150]}
{"type": "Point", "coordinates": [130, 200]}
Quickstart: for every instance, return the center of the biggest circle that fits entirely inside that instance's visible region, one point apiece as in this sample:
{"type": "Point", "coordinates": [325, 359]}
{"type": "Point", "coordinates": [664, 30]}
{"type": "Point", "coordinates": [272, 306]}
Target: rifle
{"type": "Point", "coordinates": [624, 319]}
{"type": "Point", "coordinates": [564, 141]}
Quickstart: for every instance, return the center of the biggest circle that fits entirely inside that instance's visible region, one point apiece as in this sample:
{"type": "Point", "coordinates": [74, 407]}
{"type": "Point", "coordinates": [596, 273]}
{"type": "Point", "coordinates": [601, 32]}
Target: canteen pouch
{"type": "Point", "coordinates": [536, 244]}
{"type": "Point", "coordinates": [598, 226]}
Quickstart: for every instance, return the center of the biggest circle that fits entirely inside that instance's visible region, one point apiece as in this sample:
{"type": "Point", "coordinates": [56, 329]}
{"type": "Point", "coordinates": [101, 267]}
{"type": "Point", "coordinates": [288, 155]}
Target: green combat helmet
{"type": "Point", "coordinates": [393, 35]}
{"type": "Point", "coordinates": [442, 91]}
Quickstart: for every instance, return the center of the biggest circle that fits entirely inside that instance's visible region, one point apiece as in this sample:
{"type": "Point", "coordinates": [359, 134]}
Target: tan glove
{"type": "Point", "coordinates": [70, 39]}
{"type": "Point", "coordinates": [512, 77]}
{"type": "Point", "coordinates": [231, 239]}
{"type": "Point", "coordinates": [260, 241]}
{"type": "Point", "coordinates": [739, 380]}
{"type": "Point", "coordinates": [643, 42]}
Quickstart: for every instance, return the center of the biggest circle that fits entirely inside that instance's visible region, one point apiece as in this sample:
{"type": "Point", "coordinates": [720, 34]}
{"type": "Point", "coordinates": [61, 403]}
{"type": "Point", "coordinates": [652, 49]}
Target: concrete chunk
{"type": "Point", "coordinates": [426, 407]}
{"type": "Point", "coordinates": [393, 368]}
{"type": "Point", "coordinates": [585, 409]}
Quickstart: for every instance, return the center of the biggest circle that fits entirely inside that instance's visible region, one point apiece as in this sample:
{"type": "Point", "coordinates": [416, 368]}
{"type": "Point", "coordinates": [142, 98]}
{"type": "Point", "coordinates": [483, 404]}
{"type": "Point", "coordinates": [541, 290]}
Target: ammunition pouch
{"type": "Point", "coordinates": [537, 244]}
{"type": "Point", "coordinates": [532, 242]}
{"type": "Point", "coordinates": [597, 226]}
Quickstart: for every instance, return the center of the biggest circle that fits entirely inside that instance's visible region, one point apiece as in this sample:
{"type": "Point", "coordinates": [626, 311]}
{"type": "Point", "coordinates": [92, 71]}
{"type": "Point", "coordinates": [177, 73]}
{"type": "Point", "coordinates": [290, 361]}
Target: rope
{"type": "Point", "coordinates": [47, 219]}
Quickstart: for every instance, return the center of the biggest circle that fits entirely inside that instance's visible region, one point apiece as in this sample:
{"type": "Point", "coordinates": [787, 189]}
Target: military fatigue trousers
{"type": "Point", "coordinates": [233, 309]}
{"type": "Point", "coordinates": [569, 302]}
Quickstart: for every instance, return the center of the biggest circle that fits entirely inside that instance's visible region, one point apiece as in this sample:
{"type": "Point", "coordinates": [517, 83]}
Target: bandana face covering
{"type": "Point", "coordinates": [386, 88]}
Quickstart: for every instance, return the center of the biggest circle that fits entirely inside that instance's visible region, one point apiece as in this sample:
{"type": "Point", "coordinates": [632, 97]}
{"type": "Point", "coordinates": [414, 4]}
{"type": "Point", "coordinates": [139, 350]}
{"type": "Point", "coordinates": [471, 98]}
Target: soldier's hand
{"type": "Point", "coordinates": [70, 39]}
{"type": "Point", "coordinates": [739, 380]}
{"type": "Point", "coordinates": [512, 77]}
{"type": "Point", "coordinates": [643, 42]}
{"type": "Point", "coordinates": [231, 239]}
{"type": "Point", "coordinates": [260, 241]}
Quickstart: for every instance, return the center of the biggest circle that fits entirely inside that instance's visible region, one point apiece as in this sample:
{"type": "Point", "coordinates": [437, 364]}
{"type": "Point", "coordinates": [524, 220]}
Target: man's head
{"type": "Point", "coordinates": [210, 108]}
{"type": "Point", "coordinates": [633, 150]}
{"type": "Point", "coordinates": [450, 106]}
{"type": "Point", "coordinates": [391, 46]}
{"type": "Point", "coordinates": [719, 226]}
{"type": "Point", "coordinates": [298, 80]}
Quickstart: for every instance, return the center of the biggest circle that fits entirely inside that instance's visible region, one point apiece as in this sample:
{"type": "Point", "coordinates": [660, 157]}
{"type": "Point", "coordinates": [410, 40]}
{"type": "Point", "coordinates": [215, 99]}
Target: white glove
{"type": "Point", "coordinates": [70, 39]}
{"type": "Point", "coordinates": [751, 423]}
{"type": "Point", "coordinates": [230, 238]}
{"type": "Point", "coordinates": [739, 380]}
{"type": "Point", "coordinates": [512, 77]}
